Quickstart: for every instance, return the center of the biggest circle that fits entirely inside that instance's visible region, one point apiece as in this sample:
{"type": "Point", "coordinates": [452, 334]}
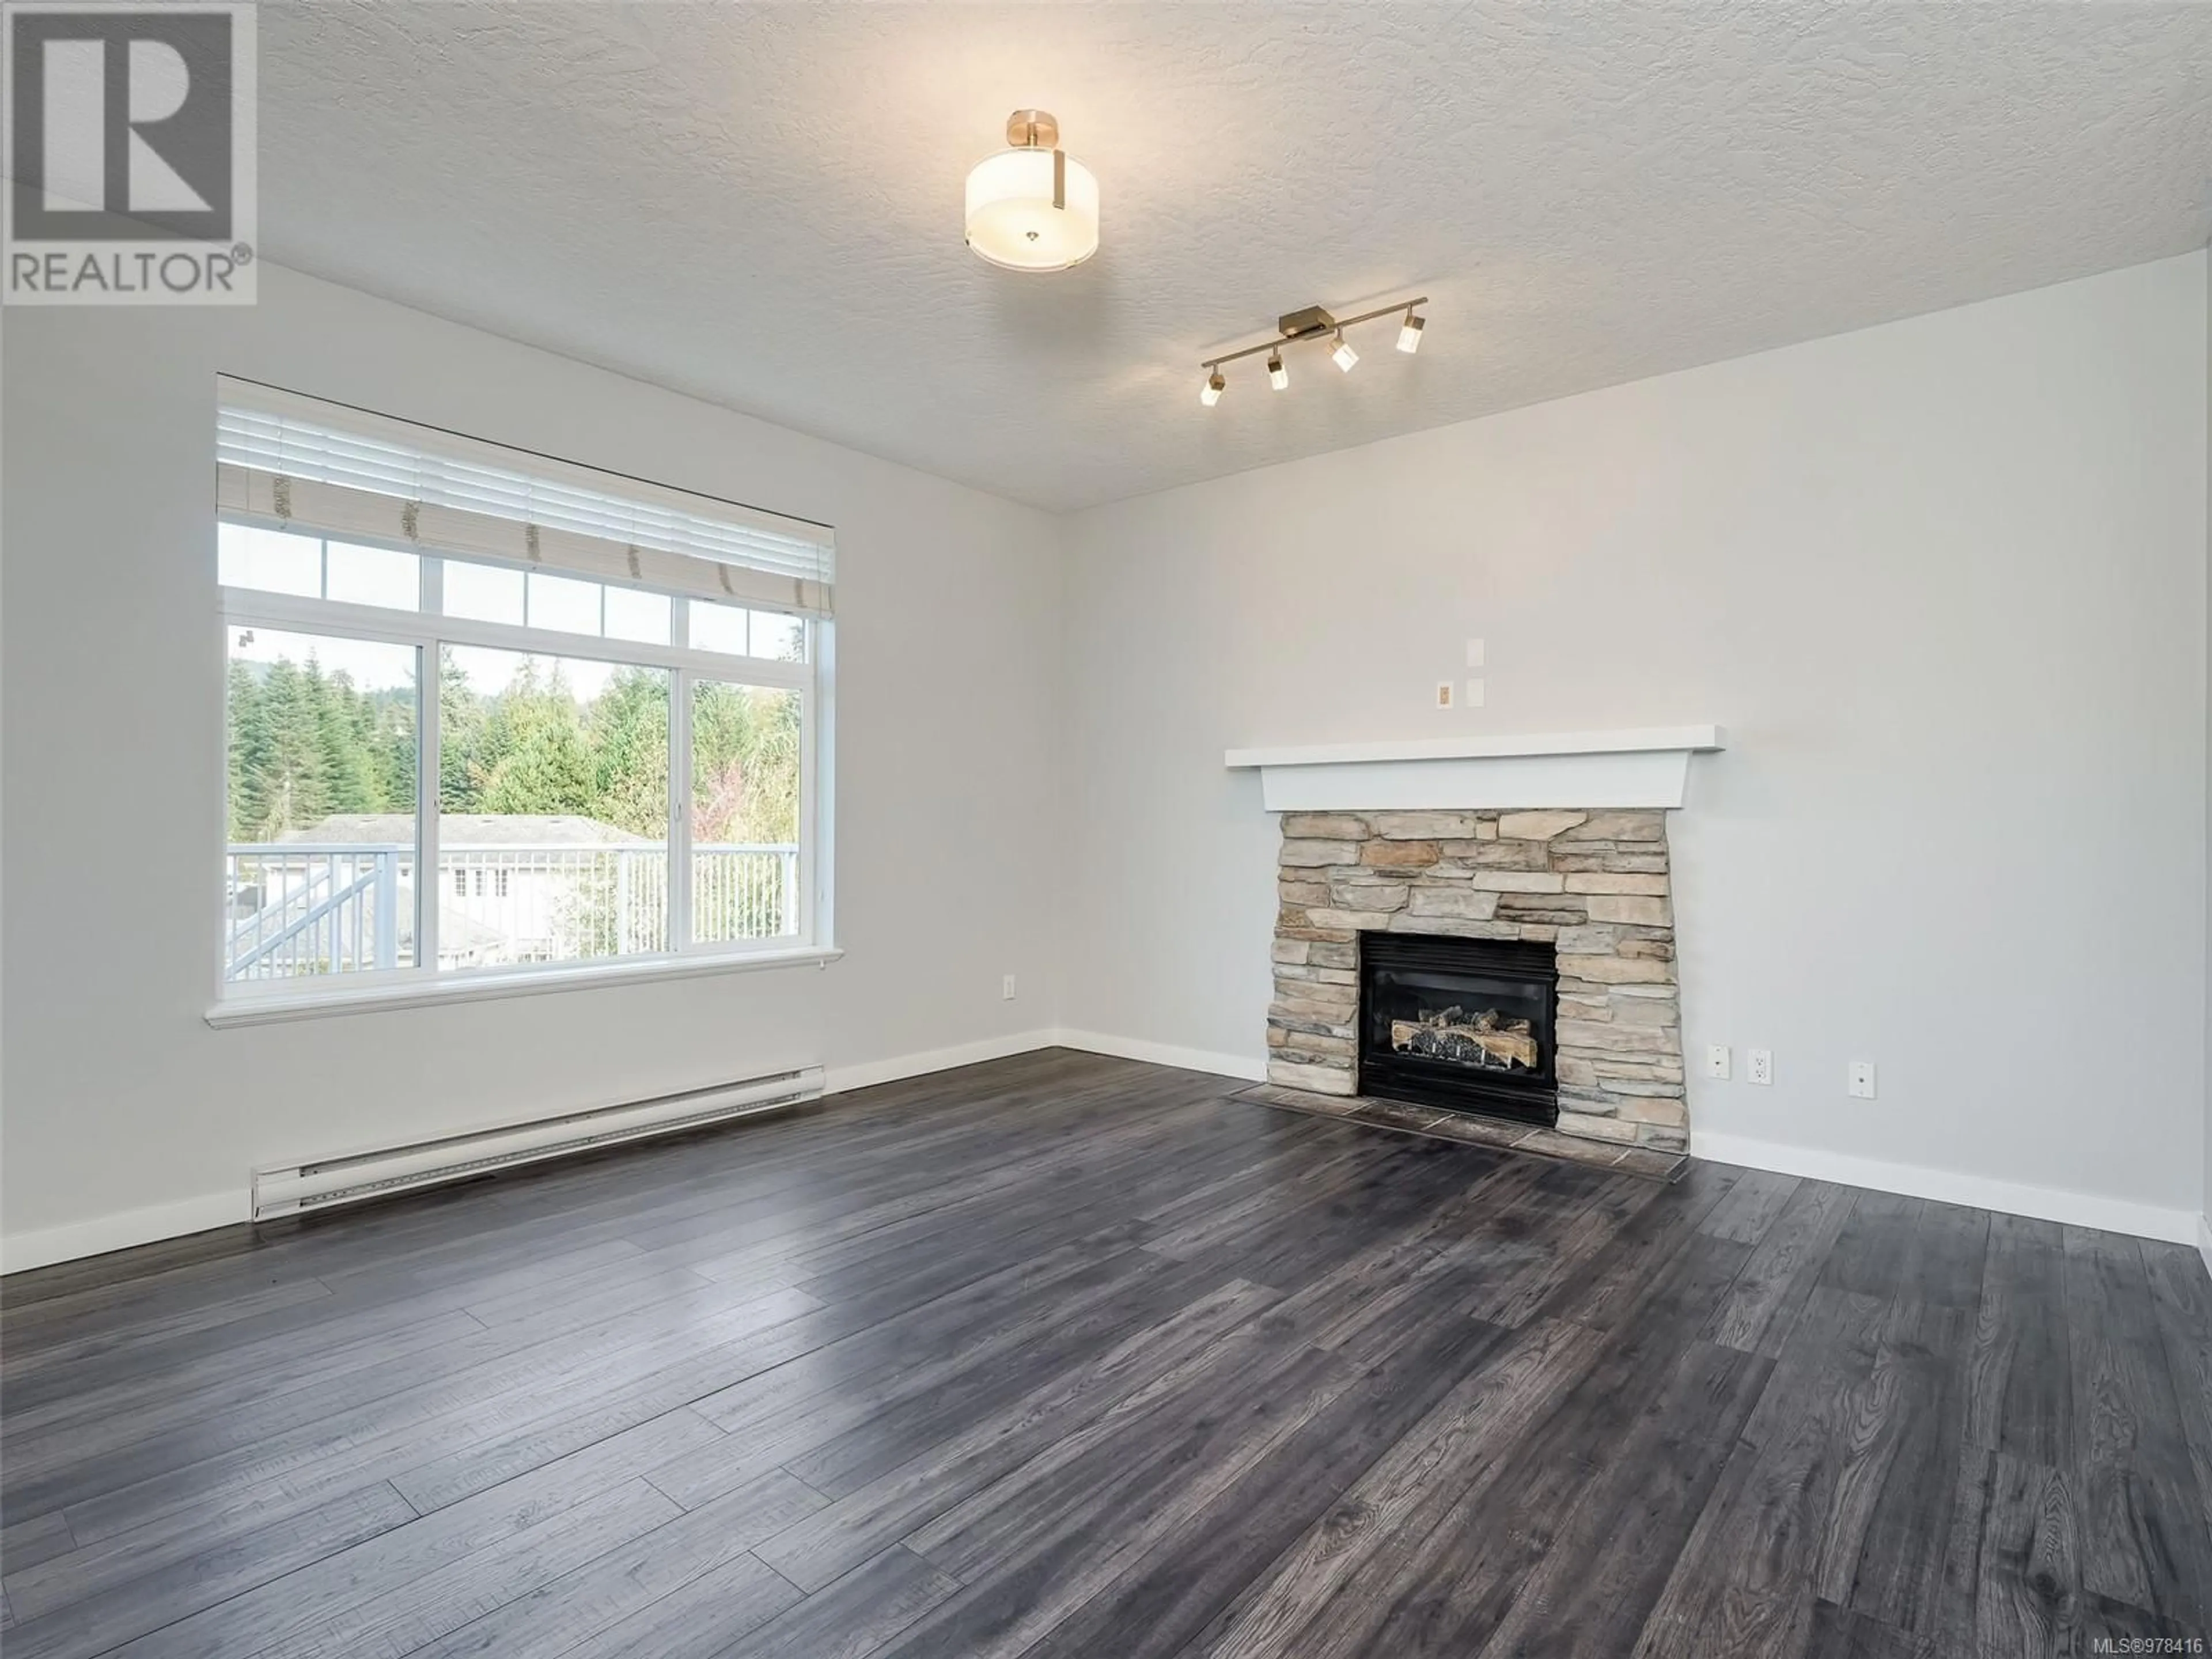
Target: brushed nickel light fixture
{"type": "Point", "coordinates": [1316, 324]}
{"type": "Point", "coordinates": [1033, 206]}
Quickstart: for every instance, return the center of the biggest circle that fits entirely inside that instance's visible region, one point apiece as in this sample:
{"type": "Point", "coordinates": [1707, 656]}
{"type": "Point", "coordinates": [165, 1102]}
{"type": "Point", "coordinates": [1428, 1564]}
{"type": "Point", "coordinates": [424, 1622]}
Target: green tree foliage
{"type": "Point", "coordinates": [305, 744]}
{"type": "Point", "coordinates": [538, 758]}
{"type": "Point", "coordinates": [628, 730]}
{"type": "Point", "coordinates": [744, 764]}
{"type": "Point", "coordinates": [460, 739]}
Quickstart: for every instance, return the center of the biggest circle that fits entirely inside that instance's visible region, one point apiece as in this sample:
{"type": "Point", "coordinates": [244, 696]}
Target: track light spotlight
{"type": "Point", "coordinates": [1216, 384]}
{"type": "Point", "coordinates": [1409, 333]}
{"type": "Point", "coordinates": [1344, 356]}
{"type": "Point", "coordinates": [1277, 376]}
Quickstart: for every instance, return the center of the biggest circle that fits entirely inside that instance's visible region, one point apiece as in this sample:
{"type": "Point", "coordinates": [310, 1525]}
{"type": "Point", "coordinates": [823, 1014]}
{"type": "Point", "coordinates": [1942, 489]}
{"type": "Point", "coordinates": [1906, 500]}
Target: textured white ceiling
{"type": "Point", "coordinates": [761, 204]}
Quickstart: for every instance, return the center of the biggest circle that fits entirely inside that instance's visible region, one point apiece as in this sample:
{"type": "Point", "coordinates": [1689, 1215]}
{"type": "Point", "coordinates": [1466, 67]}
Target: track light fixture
{"type": "Point", "coordinates": [1315, 324]}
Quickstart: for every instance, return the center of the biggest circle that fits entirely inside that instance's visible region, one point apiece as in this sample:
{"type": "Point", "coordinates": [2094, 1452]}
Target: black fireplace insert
{"type": "Point", "coordinates": [1464, 1024]}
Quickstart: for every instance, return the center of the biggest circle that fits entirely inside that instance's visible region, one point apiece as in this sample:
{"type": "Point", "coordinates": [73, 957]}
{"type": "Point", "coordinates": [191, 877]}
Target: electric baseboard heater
{"type": "Point", "coordinates": [298, 1188]}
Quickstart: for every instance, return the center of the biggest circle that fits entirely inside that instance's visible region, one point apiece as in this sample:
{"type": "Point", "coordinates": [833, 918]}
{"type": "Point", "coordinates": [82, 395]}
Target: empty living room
{"type": "Point", "coordinates": [1105, 830]}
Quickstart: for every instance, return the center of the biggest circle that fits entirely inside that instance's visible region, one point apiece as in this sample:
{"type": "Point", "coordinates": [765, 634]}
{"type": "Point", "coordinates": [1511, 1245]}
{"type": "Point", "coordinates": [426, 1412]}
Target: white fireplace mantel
{"type": "Point", "coordinates": [1646, 768]}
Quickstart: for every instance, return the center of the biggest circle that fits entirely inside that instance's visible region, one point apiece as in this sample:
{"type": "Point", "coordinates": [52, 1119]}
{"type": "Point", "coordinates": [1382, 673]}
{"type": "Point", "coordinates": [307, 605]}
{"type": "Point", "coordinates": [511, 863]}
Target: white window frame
{"type": "Point", "coordinates": [426, 630]}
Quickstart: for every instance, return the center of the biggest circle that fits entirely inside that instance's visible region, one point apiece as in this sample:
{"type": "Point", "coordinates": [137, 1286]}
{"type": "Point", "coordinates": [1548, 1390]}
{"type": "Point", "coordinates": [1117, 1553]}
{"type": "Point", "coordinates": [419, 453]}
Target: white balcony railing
{"type": "Point", "coordinates": [293, 909]}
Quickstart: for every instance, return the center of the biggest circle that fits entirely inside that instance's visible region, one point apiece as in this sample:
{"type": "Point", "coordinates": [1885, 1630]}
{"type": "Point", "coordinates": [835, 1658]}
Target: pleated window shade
{"type": "Point", "coordinates": [323, 469]}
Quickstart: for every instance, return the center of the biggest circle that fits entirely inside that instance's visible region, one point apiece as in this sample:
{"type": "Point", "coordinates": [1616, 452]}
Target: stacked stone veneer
{"type": "Point", "coordinates": [1593, 885]}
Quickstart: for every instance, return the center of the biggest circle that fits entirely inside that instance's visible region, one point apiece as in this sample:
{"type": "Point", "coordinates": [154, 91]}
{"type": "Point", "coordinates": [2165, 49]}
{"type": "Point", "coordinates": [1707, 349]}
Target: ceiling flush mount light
{"type": "Point", "coordinates": [1032, 207]}
{"type": "Point", "coordinates": [1315, 324]}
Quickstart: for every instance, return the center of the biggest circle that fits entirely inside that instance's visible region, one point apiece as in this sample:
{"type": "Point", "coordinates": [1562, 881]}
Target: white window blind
{"type": "Point", "coordinates": [302, 464]}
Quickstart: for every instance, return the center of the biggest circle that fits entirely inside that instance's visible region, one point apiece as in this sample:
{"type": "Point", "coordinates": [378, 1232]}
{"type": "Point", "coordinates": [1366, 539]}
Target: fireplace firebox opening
{"type": "Point", "coordinates": [1462, 1024]}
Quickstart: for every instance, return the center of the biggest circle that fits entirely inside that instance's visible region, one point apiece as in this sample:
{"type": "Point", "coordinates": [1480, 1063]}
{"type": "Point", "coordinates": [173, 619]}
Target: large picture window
{"type": "Point", "coordinates": [516, 748]}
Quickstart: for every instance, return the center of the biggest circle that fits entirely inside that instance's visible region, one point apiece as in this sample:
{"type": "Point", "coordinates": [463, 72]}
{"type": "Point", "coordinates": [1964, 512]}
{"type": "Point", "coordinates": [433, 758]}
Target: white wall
{"type": "Point", "coordinates": [126, 1115]}
{"type": "Point", "coordinates": [1943, 581]}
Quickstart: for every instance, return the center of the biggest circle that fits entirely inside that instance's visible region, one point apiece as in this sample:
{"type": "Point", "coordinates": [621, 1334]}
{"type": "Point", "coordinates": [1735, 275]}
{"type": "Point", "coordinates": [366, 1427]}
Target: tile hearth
{"type": "Point", "coordinates": [1592, 883]}
{"type": "Point", "coordinates": [1469, 1130]}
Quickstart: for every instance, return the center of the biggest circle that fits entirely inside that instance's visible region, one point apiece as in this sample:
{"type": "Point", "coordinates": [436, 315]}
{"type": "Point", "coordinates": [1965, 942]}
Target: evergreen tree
{"type": "Point", "coordinates": [628, 730]}
{"type": "Point", "coordinates": [460, 737]}
{"type": "Point", "coordinates": [543, 763]}
{"type": "Point", "coordinates": [391, 740]}
{"type": "Point", "coordinates": [283, 786]}
{"type": "Point", "coordinates": [249, 743]}
{"type": "Point", "coordinates": [348, 769]}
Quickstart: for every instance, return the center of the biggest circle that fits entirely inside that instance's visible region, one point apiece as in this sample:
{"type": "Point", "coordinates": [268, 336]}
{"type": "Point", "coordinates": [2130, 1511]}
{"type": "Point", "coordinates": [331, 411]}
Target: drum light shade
{"type": "Point", "coordinates": [1032, 207]}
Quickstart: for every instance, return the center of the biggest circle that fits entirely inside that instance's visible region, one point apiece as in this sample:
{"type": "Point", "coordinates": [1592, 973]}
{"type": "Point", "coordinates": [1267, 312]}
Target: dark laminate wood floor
{"type": "Point", "coordinates": [1068, 1355]}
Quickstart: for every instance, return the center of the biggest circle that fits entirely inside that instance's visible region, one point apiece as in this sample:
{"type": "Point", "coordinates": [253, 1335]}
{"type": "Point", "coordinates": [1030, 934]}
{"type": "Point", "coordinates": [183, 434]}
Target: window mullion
{"type": "Point", "coordinates": [431, 680]}
{"type": "Point", "coordinates": [816, 920]}
{"type": "Point", "coordinates": [679, 810]}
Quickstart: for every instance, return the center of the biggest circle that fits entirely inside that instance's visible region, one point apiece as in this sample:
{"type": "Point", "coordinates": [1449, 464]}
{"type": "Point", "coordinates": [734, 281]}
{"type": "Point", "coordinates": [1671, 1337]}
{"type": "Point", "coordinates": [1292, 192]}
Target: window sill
{"type": "Point", "coordinates": [266, 1010]}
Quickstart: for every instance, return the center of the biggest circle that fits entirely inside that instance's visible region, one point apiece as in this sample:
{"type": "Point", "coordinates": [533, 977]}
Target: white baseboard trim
{"type": "Point", "coordinates": [120, 1232]}
{"type": "Point", "coordinates": [2205, 1240]}
{"type": "Point", "coordinates": [2117, 1215]}
{"type": "Point", "coordinates": [840, 1080]}
{"type": "Point", "coordinates": [1163, 1054]}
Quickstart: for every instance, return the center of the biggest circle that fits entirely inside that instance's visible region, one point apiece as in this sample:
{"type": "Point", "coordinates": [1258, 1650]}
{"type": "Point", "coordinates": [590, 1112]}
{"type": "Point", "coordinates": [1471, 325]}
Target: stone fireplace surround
{"type": "Point", "coordinates": [1592, 883]}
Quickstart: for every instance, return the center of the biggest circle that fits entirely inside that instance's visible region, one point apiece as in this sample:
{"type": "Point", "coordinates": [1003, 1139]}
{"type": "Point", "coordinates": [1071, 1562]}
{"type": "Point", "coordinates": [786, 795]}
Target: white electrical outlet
{"type": "Point", "coordinates": [1861, 1079]}
{"type": "Point", "coordinates": [1717, 1060]}
{"type": "Point", "coordinates": [1443, 694]}
{"type": "Point", "coordinates": [1475, 654]}
{"type": "Point", "coordinates": [1758, 1066]}
{"type": "Point", "coordinates": [1007, 989]}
